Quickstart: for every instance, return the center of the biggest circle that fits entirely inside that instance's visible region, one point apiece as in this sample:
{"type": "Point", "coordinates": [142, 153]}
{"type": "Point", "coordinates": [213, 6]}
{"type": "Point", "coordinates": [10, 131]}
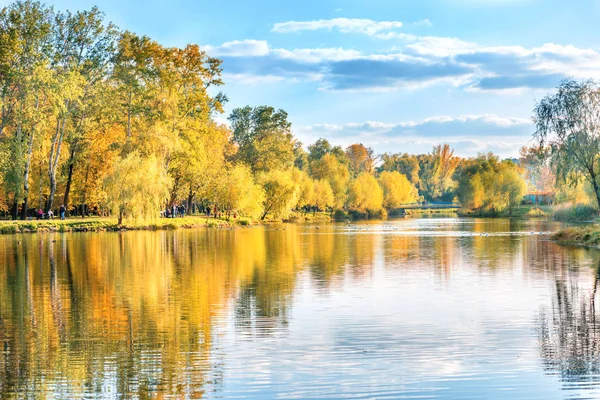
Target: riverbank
{"type": "Point", "coordinates": [522, 211]}
{"type": "Point", "coordinates": [95, 224]}
{"type": "Point", "coordinates": [586, 236]}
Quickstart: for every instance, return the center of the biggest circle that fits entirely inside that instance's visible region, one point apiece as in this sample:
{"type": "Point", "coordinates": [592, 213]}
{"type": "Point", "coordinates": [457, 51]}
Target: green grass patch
{"type": "Point", "coordinates": [110, 224]}
{"type": "Point", "coordinates": [588, 235]}
{"type": "Point", "coordinates": [522, 211]}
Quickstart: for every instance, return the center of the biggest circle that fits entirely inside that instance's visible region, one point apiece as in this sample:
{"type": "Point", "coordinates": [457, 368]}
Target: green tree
{"type": "Point", "coordinates": [567, 121]}
{"type": "Point", "coordinates": [264, 138]}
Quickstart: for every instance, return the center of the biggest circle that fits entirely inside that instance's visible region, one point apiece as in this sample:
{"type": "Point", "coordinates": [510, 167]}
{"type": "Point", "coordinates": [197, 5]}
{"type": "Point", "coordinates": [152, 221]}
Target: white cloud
{"type": "Point", "coordinates": [344, 25]}
{"type": "Point", "coordinates": [468, 134]}
{"type": "Point", "coordinates": [419, 61]}
{"type": "Point", "coordinates": [423, 22]}
{"type": "Point", "coordinates": [239, 48]}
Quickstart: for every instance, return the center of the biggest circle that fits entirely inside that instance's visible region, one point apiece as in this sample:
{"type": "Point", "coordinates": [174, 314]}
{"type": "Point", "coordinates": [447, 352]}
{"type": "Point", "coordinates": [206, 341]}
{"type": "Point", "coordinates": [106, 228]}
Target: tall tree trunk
{"type": "Point", "coordinates": [54, 159]}
{"type": "Point", "coordinates": [85, 183]}
{"type": "Point", "coordinates": [28, 168]}
{"type": "Point", "coordinates": [190, 199]}
{"type": "Point", "coordinates": [14, 212]}
{"type": "Point", "coordinates": [26, 178]}
{"type": "Point", "coordinates": [595, 185]}
{"type": "Point", "coordinates": [129, 116]}
{"type": "Point", "coordinates": [69, 179]}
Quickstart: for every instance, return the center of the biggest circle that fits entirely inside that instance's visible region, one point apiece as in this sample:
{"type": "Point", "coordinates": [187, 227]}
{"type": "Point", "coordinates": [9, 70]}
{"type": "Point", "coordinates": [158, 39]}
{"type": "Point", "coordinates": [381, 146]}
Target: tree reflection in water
{"type": "Point", "coordinates": [569, 331]}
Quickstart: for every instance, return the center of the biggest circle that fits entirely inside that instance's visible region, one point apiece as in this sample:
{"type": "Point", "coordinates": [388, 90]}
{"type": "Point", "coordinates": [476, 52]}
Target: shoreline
{"type": "Point", "coordinates": [107, 224]}
{"type": "Point", "coordinates": [587, 236]}
{"type": "Point", "coordinates": [100, 224]}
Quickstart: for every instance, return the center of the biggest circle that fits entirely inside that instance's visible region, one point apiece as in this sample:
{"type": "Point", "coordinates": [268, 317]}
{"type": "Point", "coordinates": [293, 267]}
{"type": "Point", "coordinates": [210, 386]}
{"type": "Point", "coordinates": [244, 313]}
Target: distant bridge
{"type": "Point", "coordinates": [426, 205]}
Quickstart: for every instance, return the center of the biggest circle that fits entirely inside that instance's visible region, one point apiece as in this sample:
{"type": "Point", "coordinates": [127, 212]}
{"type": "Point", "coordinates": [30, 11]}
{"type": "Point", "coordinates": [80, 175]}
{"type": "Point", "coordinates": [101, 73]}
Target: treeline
{"type": "Point", "coordinates": [101, 119]}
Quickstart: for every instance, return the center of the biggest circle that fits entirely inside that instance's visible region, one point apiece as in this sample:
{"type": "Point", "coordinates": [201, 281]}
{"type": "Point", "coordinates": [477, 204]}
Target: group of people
{"type": "Point", "coordinates": [40, 214]}
{"type": "Point", "coordinates": [174, 211]}
{"type": "Point", "coordinates": [180, 211]}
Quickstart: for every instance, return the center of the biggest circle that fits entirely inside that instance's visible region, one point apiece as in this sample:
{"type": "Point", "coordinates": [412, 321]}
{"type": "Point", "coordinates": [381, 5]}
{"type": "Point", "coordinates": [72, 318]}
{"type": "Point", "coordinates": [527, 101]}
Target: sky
{"type": "Point", "coordinates": [395, 75]}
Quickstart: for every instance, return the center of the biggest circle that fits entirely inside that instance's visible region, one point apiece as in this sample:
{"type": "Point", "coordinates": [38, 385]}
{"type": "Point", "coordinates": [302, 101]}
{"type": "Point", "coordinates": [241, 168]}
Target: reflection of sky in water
{"type": "Point", "coordinates": [404, 333]}
{"type": "Point", "coordinates": [431, 308]}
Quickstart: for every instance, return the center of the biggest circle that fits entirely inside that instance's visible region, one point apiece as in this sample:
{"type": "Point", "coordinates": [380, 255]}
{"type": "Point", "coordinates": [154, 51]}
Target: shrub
{"type": "Point", "coordinates": [340, 215]}
{"type": "Point", "coordinates": [578, 212]}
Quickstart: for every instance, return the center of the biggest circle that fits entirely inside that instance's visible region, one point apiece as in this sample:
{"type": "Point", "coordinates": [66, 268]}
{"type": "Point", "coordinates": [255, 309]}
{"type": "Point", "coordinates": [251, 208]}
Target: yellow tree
{"type": "Point", "coordinates": [365, 194]}
{"type": "Point", "coordinates": [335, 173]}
{"type": "Point", "coordinates": [238, 192]}
{"type": "Point", "coordinates": [397, 189]}
{"type": "Point", "coordinates": [137, 187]}
{"type": "Point", "coordinates": [281, 192]}
{"type": "Point", "coordinates": [323, 195]}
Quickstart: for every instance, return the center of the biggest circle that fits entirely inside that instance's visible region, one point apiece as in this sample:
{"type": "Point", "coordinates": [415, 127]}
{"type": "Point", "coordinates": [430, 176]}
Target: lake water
{"type": "Point", "coordinates": [417, 308]}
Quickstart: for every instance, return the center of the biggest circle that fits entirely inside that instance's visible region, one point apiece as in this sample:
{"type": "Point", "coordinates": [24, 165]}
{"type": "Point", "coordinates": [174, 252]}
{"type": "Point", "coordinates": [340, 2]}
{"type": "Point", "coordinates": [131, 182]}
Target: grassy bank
{"type": "Point", "coordinates": [416, 213]}
{"type": "Point", "coordinates": [523, 211]}
{"type": "Point", "coordinates": [109, 224]}
{"type": "Point", "coordinates": [588, 236]}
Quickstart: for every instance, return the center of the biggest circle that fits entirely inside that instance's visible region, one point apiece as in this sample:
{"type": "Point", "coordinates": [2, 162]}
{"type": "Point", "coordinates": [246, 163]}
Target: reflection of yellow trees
{"type": "Point", "coordinates": [138, 312]}
{"type": "Point", "coordinates": [134, 312]}
{"type": "Point", "coordinates": [326, 256]}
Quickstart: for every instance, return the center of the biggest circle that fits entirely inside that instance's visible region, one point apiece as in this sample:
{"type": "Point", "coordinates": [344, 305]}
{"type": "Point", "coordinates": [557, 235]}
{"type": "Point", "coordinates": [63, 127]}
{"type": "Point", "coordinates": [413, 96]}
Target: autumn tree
{"type": "Point", "coordinates": [437, 170]}
{"type": "Point", "coordinates": [364, 193]}
{"type": "Point", "coordinates": [360, 159]}
{"type": "Point", "coordinates": [136, 188]}
{"type": "Point", "coordinates": [397, 189]}
{"type": "Point", "coordinates": [406, 164]}
{"type": "Point", "coordinates": [329, 168]}
{"type": "Point", "coordinates": [281, 192]}
{"type": "Point", "coordinates": [238, 192]}
{"type": "Point", "coordinates": [323, 194]}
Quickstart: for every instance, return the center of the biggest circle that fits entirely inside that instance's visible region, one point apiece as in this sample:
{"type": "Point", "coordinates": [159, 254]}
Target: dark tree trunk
{"type": "Point", "coordinates": [190, 199]}
{"type": "Point", "coordinates": [69, 180]}
{"type": "Point", "coordinates": [595, 185]}
{"type": "Point", "coordinates": [14, 212]}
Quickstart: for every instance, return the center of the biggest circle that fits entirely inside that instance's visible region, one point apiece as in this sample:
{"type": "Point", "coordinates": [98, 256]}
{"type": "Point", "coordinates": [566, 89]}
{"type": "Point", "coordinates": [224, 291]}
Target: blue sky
{"type": "Point", "coordinates": [398, 75]}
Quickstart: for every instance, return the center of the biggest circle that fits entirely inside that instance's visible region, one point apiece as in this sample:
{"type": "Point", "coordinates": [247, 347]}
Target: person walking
{"type": "Point", "coordinates": [61, 211]}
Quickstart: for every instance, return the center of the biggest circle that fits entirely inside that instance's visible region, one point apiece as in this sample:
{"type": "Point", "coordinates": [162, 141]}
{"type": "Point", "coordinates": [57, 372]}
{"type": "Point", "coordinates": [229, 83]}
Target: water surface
{"type": "Point", "coordinates": [430, 308]}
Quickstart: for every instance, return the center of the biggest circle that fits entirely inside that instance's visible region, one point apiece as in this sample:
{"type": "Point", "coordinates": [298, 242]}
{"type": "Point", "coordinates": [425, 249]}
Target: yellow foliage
{"type": "Point", "coordinates": [323, 195]}
{"type": "Point", "coordinates": [137, 187]}
{"type": "Point", "coordinates": [397, 189]}
{"type": "Point", "coordinates": [365, 193]}
{"type": "Point", "coordinates": [237, 191]}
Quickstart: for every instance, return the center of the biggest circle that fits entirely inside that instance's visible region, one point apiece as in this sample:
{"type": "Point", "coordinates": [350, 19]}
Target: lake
{"type": "Point", "coordinates": [416, 308]}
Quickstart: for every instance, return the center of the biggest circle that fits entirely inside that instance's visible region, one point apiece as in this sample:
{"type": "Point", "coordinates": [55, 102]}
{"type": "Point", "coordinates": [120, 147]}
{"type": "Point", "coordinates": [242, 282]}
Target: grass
{"type": "Point", "coordinates": [522, 212]}
{"type": "Point", "coordinates": [588, 236]}
{"type": "Point", "coordinates": [319, 216]}
{"type": "Point", "coordinates": [95, 224]}
{"type": "Point", "coordinates": [431, 211]}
